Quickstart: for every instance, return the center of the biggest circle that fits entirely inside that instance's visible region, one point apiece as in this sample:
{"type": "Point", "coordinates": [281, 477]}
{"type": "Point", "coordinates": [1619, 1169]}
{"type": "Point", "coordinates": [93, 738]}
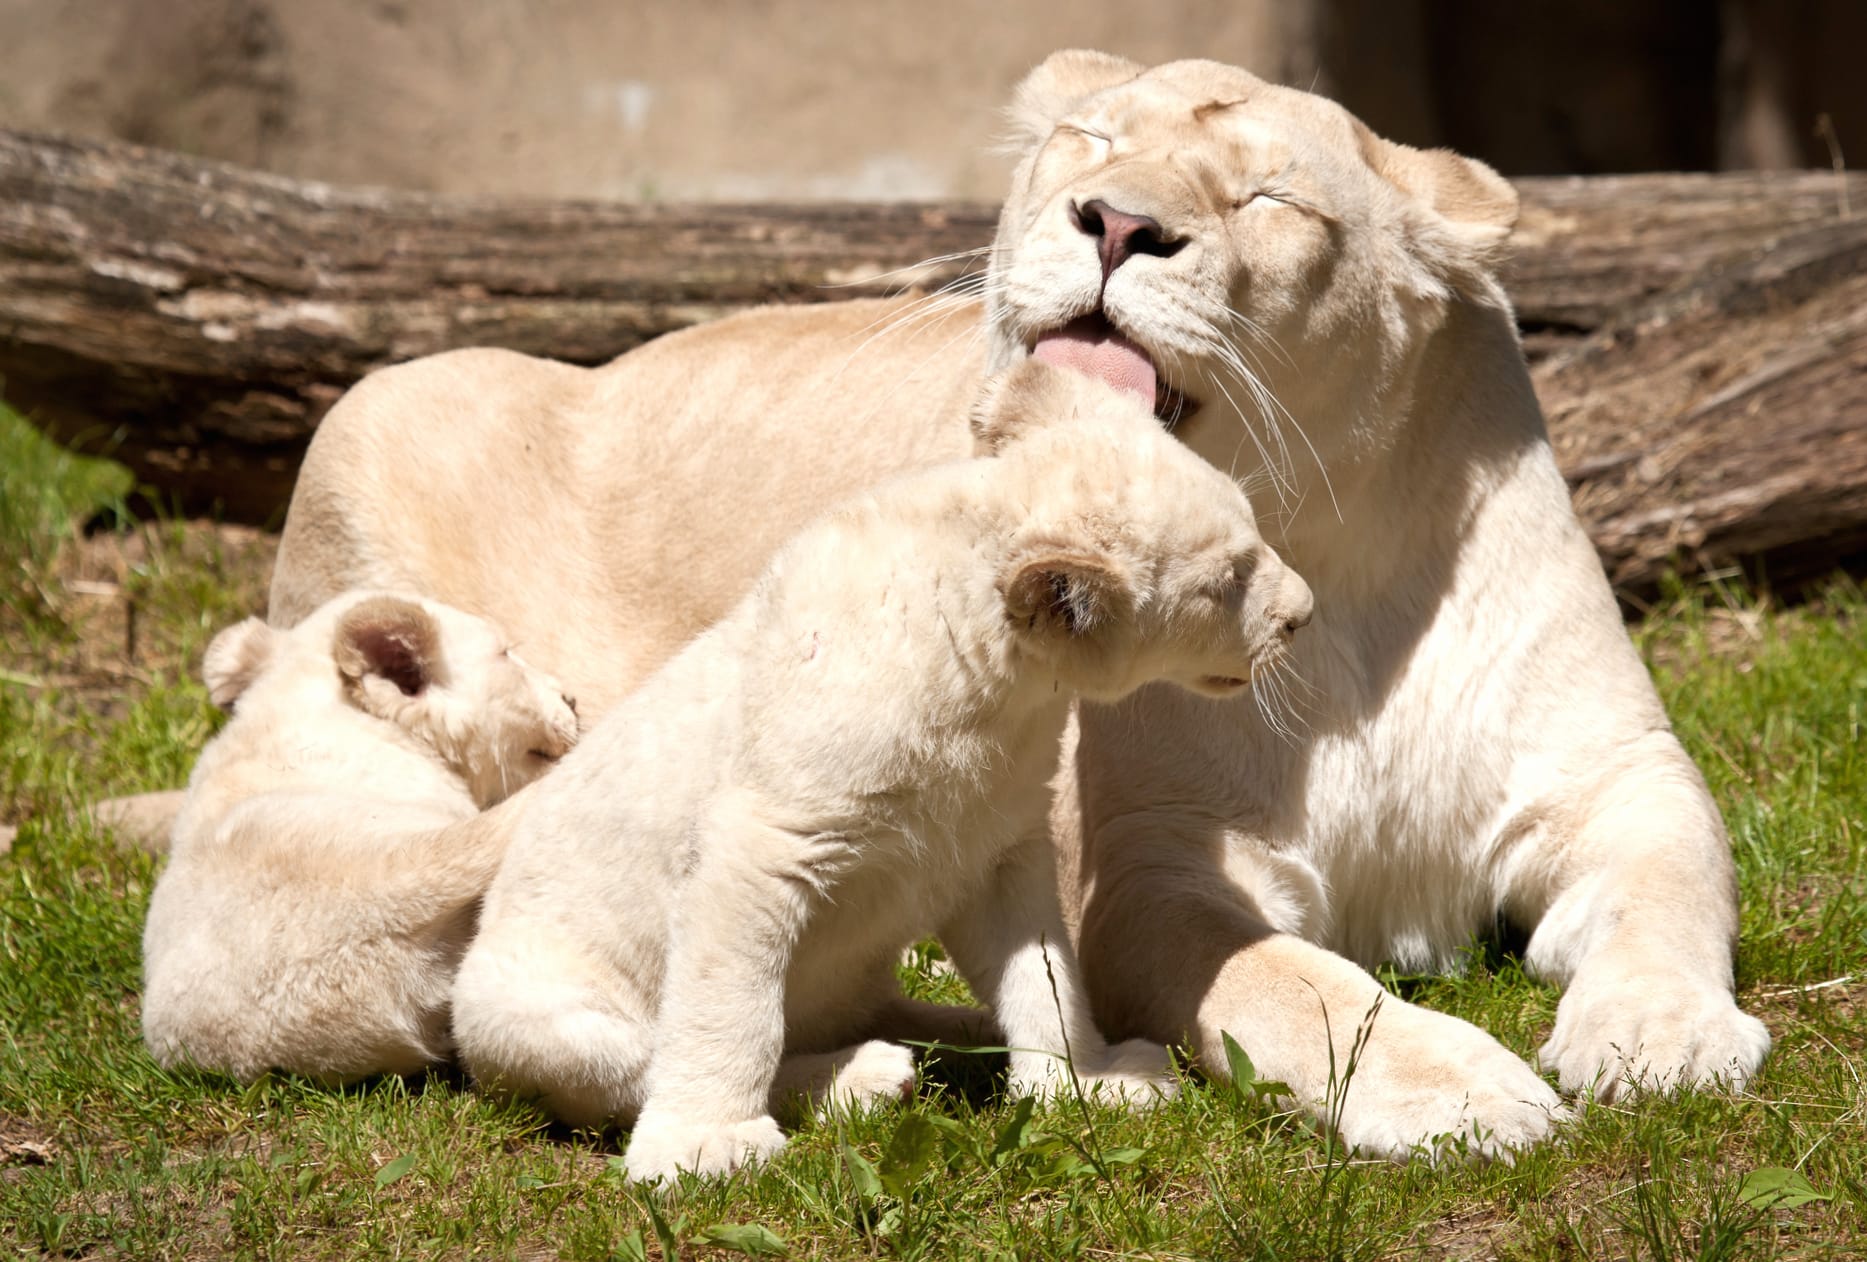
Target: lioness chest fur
{"type": "Point", "coordinates": [729, 865]}
{"type": "Point", "coordinates": [331, 848]}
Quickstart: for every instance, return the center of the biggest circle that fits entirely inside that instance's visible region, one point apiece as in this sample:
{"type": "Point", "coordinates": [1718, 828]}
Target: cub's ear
{"type": "Point", "coordinates": [1473, 206]}
{"type": "Point", "coordinates": [1070, 590]}
{"type": "Point", "coordinates": [1061, 80]}
{"type": "Point", "coordinates": [390, 638]}
{"type": "Point", "coordinates": [1025, 397]}
{"type": "Point", "coordinates": [234, 660]}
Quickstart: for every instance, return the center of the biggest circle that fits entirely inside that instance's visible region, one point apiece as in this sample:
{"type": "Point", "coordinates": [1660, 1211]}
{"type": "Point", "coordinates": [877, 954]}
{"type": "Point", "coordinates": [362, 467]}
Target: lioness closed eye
{"type": "Point", "coordinates": [331, 849]}
{"type": "Point", "coordinates": [703, 906]}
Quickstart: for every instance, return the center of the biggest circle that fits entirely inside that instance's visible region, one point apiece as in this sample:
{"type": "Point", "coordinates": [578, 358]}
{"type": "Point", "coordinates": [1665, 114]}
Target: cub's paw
{"type": "Point", "coordinates": [1137, 1073]}
{"type": "Point", "coordinates": [662, 1149]}
{"type": "Point", "coordinates": [1431, 1086]}
{"type": "Point", "coordinates": [875, 1072]}
{"type": "Point", "coordinates": [1639, 1033]}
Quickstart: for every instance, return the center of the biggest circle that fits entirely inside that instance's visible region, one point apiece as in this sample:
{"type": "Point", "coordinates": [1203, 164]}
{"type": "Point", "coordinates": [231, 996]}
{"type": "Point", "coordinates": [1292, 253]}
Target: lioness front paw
{"type": "Point", "coordinates": [1431, 1086]}
{"type": "Point", "coordinates": [662, 1149]}
{"type": "Point", "coordinates": [1638, 1033]}
{"type": "Point", "coordinates": [1136, 1073]}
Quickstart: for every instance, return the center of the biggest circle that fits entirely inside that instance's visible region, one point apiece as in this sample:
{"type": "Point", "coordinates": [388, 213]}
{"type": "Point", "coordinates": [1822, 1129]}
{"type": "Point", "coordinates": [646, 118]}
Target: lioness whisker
{"type": "Point", "coordinates": [934, 261]}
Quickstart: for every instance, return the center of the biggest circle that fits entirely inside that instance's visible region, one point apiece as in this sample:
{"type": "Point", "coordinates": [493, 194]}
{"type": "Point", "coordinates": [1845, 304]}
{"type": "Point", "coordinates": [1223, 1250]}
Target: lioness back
{"type": "Point", "coordinates": [552, 464]}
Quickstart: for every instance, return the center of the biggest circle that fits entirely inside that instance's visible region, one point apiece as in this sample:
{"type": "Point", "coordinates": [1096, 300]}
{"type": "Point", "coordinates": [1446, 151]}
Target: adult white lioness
{"type": "Point", "coordinates": [1479, 738]}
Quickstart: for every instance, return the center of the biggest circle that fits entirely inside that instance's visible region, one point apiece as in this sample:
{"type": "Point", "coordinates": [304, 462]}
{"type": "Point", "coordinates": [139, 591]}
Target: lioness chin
{"type": "Point", "coordinates": [1473, 738]}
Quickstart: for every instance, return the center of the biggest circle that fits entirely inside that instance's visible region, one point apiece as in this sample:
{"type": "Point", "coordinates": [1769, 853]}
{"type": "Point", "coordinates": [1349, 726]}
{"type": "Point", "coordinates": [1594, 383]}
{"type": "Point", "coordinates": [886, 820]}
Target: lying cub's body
{"type": "Point", "coordinates": [331, 852]}
{"type": "Point", "coordinates": [728, 867]}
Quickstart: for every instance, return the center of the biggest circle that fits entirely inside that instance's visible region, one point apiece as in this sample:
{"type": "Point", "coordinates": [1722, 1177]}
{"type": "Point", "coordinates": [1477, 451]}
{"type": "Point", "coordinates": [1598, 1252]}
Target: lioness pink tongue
{"type": "Point", "coordinates": [1091, 346]}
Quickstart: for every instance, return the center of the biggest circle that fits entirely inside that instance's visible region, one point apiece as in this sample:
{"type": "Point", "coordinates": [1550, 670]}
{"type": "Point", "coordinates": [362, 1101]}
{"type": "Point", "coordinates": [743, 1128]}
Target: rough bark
{"type": "Point", "coordinates": [1698, 337]}
{"type": "Point", "coordinates": [1726, 420]}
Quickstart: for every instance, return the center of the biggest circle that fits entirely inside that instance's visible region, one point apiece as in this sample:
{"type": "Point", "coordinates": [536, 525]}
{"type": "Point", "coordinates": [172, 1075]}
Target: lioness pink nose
{"type": "Point", "coordinates": [1120, 236]}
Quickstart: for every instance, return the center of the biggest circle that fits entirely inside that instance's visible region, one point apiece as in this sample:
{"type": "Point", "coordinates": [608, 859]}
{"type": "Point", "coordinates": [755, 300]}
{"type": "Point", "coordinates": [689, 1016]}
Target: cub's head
{"type": "Point", "coordinates": [447, 678]}
{"type": "Point", "coordinates": [1251, 256]}
{"type": "Point", "coordinates": [1133, 560]}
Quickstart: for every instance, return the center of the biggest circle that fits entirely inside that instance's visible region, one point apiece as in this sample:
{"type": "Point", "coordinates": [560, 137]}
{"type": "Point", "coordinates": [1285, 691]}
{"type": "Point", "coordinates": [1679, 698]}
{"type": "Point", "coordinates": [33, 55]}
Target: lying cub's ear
{"type": "Point", "coordinates": [391, 638]}
{"type": "Point", "coordinates": [234, 659]}
{"type": "Point", "coordinates": [1066, 589]}
{"type": "Point", "coordinates": [1025, 397]}
{"type": "Point", "coordinates": [1052, 90]}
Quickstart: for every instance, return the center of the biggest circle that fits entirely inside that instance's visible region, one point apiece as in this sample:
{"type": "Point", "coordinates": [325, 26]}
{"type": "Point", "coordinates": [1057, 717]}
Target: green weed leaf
{"type": "Point", "coordinates": [1776, 1187]}
{"type": "Point", "coordinates": [1239, 1065]}
{"type": "Point", "coordinates": [1017, 1132]}
{"type": "Point", "coordinates": [910, 1152]}
{"type": "Point", "coordinates": [862, 1174]}
{"type": "Point", "coordinates": [395, 1169]}
{"type": "Point", "coordinates": [749, 1238]}
{"type": "Point", "coordinates": [631, 1248]}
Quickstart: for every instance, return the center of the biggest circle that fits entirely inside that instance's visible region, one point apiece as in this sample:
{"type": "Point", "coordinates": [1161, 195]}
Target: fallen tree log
{"type": "Point", "coordinates": [196, 320]}
{"type": "Point", "coordinates": [1726, 420]}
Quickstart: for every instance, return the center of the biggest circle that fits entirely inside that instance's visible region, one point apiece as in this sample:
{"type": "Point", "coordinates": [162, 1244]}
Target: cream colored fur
{"type": "Point", "coordinates": [1475, 739]}
{"type": "Point", "coordinates": [331, 851]}
{"type": "Point", "coordinates": [728, 867]}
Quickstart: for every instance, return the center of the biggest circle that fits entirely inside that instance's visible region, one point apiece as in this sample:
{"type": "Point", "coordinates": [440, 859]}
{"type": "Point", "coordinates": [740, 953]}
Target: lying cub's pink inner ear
{"type": "Point", "coordinates": [396, 640]}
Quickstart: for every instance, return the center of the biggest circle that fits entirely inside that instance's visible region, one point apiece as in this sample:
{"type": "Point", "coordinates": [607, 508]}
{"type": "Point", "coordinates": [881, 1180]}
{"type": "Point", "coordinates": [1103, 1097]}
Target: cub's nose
{"type": "Point", "coordinates": [1120, 236]}
{"type": "Point", "coordinates": [1296, 603]}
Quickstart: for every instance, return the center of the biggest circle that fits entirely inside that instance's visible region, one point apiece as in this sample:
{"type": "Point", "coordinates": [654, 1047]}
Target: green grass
{"type": "Point", "coordinates": [104, 1154]}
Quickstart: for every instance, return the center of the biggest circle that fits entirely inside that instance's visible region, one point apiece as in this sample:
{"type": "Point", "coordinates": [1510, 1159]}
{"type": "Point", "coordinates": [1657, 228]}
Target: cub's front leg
{"type": "Point", "coordinates": [720, 1033]}
{"type": "Point", "coordinates": [1010, 944]}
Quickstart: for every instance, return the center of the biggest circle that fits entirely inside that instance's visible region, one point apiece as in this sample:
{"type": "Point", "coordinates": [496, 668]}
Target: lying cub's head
{"type": "Point", "coordinates": [1136, 560]}
{"type": "Point", "coordinates": [445, 677]}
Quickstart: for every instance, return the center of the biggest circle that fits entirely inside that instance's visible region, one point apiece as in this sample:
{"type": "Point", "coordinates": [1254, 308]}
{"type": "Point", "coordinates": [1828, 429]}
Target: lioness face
{"type": "Point", "coordinates": [1250, 255]}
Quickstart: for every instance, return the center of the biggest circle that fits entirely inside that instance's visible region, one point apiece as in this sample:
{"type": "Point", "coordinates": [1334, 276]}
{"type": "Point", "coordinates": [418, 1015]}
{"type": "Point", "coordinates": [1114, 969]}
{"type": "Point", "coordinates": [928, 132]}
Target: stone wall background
{"type": "Point", "coordinates": [892, 99]}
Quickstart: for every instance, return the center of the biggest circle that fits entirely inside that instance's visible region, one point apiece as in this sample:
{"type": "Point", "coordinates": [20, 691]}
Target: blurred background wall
{"type": "Point", "coordinates": [785, 99]}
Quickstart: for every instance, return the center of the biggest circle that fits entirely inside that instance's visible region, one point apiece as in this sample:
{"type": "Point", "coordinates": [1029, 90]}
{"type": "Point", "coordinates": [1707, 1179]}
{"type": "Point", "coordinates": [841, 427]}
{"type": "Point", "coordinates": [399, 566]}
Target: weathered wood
{"type": "Point", "coordinates": [197, 319]}
{"type": "Point", "coordinates": [1725, 420]}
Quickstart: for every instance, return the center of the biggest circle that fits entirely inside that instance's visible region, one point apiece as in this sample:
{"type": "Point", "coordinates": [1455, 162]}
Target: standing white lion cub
{"type": "Point", "coordinates": [331, 851]}
{"type": "Point", "coordinates": [703, 906]}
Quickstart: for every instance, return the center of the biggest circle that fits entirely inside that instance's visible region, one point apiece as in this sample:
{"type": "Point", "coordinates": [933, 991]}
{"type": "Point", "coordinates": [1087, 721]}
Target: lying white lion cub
{"type": "Point", "coordinates": [725, 871]}
{"type": "Point", "coordinates": [331, 852]}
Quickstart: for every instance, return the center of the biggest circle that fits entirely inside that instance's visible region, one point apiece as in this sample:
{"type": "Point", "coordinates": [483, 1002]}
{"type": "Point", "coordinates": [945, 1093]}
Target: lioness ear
{"type": "Point", "coordinates": [1025, 397]}
{"type": "Point", "coordinates": [1061, 80]}
{"type": "Point", "coordinates": [391, 638]}
{"type": "Point", "coordinates": [1475, 205]}
{"type": "Point", "coordinates": [1072, 591]}
{"type": "Point", "coordinates": [234, 659]}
